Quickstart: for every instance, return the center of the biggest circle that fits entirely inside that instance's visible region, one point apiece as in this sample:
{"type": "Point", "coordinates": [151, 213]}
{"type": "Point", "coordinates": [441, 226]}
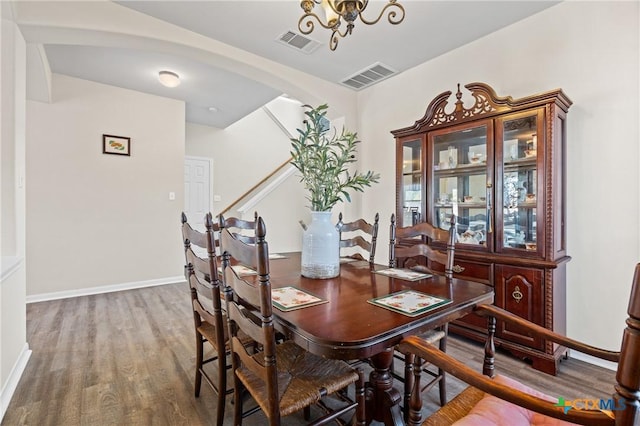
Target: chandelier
{"type": "Point", "coordinates": [337, 11]}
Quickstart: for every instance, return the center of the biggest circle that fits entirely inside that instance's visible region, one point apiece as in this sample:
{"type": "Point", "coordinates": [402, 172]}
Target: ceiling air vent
{"type": "Point", "coordinates": [299, 42]}
{"type": "Point", "coordinates": [368, 76]}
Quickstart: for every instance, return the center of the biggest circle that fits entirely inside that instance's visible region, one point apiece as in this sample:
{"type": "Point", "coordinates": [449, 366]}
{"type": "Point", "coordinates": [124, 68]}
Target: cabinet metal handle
{"type": "Point", "coordinates": [457, 269]}
{"type": "Point", "coordinates": [489, 208]}
{"type": "Point", "coordinates": [517, 294]}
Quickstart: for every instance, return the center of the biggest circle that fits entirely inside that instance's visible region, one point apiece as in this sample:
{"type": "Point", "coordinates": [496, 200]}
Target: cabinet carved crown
{"type": "Point", "coordinates": [486, 103]}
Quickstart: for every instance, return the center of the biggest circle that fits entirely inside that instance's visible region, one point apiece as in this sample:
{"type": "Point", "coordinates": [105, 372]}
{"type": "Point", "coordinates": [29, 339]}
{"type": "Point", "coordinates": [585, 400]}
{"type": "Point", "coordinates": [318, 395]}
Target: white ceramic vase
{"type": "Point", "coordinates": [320, 247]}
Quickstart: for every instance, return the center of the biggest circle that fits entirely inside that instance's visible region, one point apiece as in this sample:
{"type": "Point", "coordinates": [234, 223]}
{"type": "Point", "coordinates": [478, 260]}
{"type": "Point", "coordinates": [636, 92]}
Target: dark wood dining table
{"type": "Point", "coordinates": [348, 327]}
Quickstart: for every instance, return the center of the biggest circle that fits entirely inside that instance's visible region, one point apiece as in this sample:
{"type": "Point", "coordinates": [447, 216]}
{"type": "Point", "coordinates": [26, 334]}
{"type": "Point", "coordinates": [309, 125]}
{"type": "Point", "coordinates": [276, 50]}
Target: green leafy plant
{"type": "Point", "coordinates": [322, 156]}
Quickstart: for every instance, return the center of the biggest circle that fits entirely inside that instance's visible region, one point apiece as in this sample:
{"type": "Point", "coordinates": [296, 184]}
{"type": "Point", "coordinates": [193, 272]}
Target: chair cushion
{"type": "Point", "coordinates": [492, 411]}
{"type": "Point", "coordinates": [303, 378]}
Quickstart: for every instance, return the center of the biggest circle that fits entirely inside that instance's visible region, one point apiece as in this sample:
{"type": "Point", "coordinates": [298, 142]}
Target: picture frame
{"type": "Point", "coordinates": [117, 145]}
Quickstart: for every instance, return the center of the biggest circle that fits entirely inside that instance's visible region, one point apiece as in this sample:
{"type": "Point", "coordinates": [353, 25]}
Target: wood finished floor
{"type": "Point", "coordinates": [127, 358]}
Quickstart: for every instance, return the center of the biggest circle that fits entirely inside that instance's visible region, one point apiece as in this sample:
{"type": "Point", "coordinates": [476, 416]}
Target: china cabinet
{"type": "Point", "coordinates": [497, 166]}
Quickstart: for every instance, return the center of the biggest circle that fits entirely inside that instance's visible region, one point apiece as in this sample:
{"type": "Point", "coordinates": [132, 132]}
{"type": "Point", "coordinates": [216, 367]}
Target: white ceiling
{"type": "Point", "coordinates": [429, 29]}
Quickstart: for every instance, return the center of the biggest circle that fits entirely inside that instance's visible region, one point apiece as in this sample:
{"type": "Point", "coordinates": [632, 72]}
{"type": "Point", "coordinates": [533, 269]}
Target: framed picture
{"type": "Point", "coordinates": [118, 145]}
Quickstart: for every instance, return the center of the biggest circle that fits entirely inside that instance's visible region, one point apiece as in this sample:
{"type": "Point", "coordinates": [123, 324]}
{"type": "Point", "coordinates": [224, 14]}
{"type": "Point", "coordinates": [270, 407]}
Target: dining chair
{"type": "Point", "coordinates": [409, 243]}
{"type": "Point", "coordinates": [499, 400]}
{"type": "Point", "coordinates": [282, 378]}
{"type": "Point", "coordinates": [356, 230]}
{"type": "Point", "coordinates": [209, 321]}
{"type": "Point", "coordinates": [197, 237]}
{"type": "Point", "coordinates": [242, 229]}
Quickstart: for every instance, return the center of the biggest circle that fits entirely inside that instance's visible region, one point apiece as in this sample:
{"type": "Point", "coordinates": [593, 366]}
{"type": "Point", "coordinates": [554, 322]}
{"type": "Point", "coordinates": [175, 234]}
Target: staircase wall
{"type": "Point", "coordinates": [246, 152]}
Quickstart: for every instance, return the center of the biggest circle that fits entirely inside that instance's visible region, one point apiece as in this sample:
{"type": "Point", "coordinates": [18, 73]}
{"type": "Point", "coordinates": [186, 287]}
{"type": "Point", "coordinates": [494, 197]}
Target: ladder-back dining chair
{"type": "Point", "coordinates": [282, 378]}
{"type": "Point", "coordinates": [408, 243]}
{"type": "Point", "coordinates": [242, 229]}
{"type": "Point", "coordinates": [358, 230]}
{"type": "Point", "coordinates": [209, 321]}
{"type": "Point", "coordinates": [501, 401]}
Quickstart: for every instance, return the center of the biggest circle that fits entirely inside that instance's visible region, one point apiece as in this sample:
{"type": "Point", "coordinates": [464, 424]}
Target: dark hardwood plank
{"type": "Point", "coordinates": [128, 358]}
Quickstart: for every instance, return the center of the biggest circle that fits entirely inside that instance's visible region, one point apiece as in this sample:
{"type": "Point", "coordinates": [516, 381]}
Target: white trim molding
{"type": "Point", "coordinates": [609, 365]}
{"type": "Point", "coordinates": [249, 205]}
{"type": "Point", "coordinates": [103, 289]}
{"type": "Point", "coordinates": [14, 377]}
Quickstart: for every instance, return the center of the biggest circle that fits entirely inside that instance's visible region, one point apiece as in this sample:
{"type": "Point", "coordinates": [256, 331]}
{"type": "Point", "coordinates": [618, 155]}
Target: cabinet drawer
{"type": "Point", "coordinates": [472, 271]}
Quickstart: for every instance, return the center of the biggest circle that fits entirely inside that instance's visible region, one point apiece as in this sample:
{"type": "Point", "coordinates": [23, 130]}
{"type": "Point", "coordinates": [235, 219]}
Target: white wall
{"type": "Point", "coordinates": [589, 49]}
{"type": "Point", "coordinates": [93, 219]}
{"type": "Point", "coordinates": [109, 24]}
{"type": "Point", "coordinates": [248, 151]}
{"type": "Point", "coordinates": [242, 154]}
{"type": "Point", "coordinates": [14, 351]}
{"type": "Point", "coordinates": [240, 161]}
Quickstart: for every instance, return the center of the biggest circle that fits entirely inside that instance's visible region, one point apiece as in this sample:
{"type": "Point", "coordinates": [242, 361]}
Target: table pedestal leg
{"type": "Point", "coordinates": [383, 401]}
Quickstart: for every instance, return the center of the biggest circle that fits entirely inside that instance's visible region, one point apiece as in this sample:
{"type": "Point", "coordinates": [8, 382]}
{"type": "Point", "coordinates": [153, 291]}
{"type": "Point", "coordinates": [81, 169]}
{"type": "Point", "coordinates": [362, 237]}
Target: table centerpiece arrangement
{"type": "Point", "coordinates": [323, 157]}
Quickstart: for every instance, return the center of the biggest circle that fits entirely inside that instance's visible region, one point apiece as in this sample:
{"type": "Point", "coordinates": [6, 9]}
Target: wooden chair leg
{"type": "Point", "coordinates": [222, 389]}
{"type": "Point", "coordinates": [238, 397]}
{"type": "Point", "coordinates": [442, 386]}
{"type": "Point", "coordinates": [307, 413]}
{"type": "Point", "coordinates": [361, 417]}
{"type": "Point", "coordinates": [199, 356]}
{"type": "Point", "coordinates": [409, 360]}
{"type": "Point", "coordinates": [415, 402]}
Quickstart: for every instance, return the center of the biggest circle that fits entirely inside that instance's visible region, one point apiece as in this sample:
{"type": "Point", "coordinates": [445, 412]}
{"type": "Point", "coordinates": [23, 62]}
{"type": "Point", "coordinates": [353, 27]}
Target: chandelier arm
{"type": "Point", "coordinates": [391, 16]}
{"type": "Point", "coordinates": [336, 34]}
{"type": "Point", "coordinates": [333, 40]}
{"type": "Point", "coordinates": [308, 21]}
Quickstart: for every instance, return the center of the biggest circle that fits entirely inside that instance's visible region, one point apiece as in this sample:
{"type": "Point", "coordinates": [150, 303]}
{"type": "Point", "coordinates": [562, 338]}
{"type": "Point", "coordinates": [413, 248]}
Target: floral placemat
{"type": "Point", "coordinates": [404, 274]}
{"type": "Point", "coordinates": [409, 302]}
{"type": "Point", "coordinates": [241, 270]}
{"type": "Point", "coordinates": [290, 298]}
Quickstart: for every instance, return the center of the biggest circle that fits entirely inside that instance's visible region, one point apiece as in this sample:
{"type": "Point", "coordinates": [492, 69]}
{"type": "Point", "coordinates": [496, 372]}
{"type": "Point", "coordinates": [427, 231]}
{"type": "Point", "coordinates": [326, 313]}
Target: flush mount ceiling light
{"type": "Point", "coordinates": [336, 11]}
{"type": "Point", "coordinates": [169, 79]}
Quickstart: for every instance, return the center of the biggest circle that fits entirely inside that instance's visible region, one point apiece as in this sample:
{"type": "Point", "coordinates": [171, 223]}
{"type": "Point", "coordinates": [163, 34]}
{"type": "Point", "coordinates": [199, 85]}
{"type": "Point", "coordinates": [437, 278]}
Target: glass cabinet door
{"type": "Point", "coordinates": [460, 179]}
{"type": "Point", "coordinates": [412, 189]}
{"type": "Point", "coordinates": [519, 175]}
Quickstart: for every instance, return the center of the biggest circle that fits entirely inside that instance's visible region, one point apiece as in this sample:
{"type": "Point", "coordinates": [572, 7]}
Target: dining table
{"type": "Point", "coordinates": [353, 318]}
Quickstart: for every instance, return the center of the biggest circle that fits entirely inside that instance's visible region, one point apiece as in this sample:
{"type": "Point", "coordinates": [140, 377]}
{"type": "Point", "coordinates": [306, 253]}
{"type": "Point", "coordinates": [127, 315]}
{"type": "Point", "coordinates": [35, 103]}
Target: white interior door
{"type": "Point", "coordinates": [197, 190]}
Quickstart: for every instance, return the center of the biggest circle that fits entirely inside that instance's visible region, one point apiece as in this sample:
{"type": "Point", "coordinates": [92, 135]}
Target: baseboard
{"type": "Point", "coordinates": [102, 289]}
{"type": "Point", "coordinates": [593, 360]}
{"type": "Point", "coordinates": [14, 377]}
